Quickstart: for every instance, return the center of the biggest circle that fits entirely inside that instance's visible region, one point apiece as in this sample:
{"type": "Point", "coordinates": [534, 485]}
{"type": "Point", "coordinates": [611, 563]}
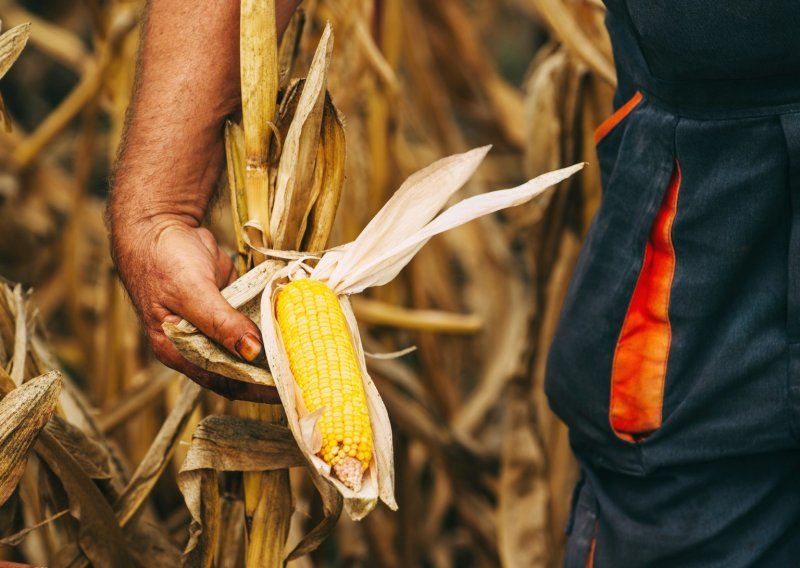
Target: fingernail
{"type": "Point", "coordinates": [249, 347]}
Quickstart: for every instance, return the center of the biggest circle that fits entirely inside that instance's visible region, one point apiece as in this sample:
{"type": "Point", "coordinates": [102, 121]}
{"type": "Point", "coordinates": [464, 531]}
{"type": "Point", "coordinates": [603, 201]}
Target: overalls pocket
{"type": "Point", "coordinates": [639, 368]}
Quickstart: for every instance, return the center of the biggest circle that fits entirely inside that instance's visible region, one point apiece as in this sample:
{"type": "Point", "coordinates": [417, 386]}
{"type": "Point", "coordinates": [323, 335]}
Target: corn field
{"type": "Point", "coordinates": [110, 459]}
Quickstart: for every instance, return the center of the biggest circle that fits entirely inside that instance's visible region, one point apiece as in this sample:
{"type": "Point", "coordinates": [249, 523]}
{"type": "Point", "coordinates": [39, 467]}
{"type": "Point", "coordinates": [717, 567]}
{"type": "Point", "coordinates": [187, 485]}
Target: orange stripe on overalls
{"type": "Point", "coordinates": [640, 359]}
{"type": "Point", "coordinates": [612, 121]}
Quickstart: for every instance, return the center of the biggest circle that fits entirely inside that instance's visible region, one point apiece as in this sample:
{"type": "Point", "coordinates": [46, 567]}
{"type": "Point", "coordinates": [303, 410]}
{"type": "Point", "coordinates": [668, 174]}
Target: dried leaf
{"type": "Point", "coordinates": [323, 213]}
{"type": "Point", "coordinates": [230, 550]}
{"type": "Point", "coordinates": [332, 506]}
{"type": "Point", "coordinates": [544, 91]}
{"type": "Point", "coordinates": [17, 537]}
{"type": "Point", "coordinates": [20, 337]}
{"type": "Point", "coordinates": [223, 443]}
{"type": "Point", "coordinates": [267, 499]}
{"type": "Point", "coordinates": [290, 44]}
{"type": "Point", "coordinates": [523, 519]}
{"type": "Point", "coordinates": [159, 453]}
{"type": "Point", "coordinates": [203, 352]}
{"type": "Point", "coordinates": [23, 413]}
{"type": "Point", "coordinates": [11, 45]}
{"type": "Point", "coordinates": [100, 537]}
{"type": "Point", "coordinates": [92, 457]}
{"type": "Point", "coordinates": [5, 118]}
{"type": "Point", "coordinates": [151, 545]}
{"type": "Point", "coordinates": [569, 32]}
{"type": "Point", "coordinates": [293, 199]}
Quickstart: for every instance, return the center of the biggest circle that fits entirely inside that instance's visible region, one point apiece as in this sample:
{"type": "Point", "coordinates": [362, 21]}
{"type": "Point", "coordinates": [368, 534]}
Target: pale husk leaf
{"type": "Point", "coordinates": [413, 205]}
{"type": "Point", "coordinates": [379, 264]}
{"type": "Point", "coordinates": [201, 351]}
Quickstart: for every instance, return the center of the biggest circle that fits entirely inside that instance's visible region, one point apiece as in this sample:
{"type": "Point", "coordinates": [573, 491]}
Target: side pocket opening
{"type": "Point", "coordinates": [639, 367]}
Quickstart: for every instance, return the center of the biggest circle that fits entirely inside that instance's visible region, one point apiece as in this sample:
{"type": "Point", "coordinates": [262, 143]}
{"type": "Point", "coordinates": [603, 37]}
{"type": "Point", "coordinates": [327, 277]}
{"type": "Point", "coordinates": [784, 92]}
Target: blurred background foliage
{"type": "Point", "coordinates": [484, 470]}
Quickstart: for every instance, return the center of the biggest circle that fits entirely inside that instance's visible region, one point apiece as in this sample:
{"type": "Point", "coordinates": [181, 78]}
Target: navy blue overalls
{"type": "Point", "coordinates": [676, 364]}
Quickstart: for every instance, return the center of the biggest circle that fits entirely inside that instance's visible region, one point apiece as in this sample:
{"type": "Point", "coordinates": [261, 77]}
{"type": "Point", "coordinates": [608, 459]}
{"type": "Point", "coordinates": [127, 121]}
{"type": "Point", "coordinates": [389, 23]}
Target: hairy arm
{"type": "Point", "coordinates": [187, 84]}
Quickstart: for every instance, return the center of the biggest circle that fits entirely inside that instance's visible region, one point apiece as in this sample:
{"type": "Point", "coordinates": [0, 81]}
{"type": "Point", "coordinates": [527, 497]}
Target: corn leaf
{"type": "Point", "coordinates": [23, 414]}
{"type": "Point", "coordinates": [100, 537]}
{"type": "Point", "coordinates": [323, 212]}
{"type": "Point", "coordinates": [223, 443]}
{"type": "Point", "coordinates": [360, 267]}
{"type": "Point", "coordinates": [293, 197]}
{"type": "Point", "coordinates": [290, 45]}
{"type": "Point", "coordinates": [11, 45]}
{"type": "Point", "coordinates": [159, 453]}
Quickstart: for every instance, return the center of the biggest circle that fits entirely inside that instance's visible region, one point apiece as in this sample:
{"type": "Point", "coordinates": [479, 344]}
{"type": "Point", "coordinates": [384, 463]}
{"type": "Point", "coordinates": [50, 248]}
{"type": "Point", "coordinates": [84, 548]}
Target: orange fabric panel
{"type": "Point", "coordinates": [608, 124]}
{"type": "Point", "coordinates": [640, 359]}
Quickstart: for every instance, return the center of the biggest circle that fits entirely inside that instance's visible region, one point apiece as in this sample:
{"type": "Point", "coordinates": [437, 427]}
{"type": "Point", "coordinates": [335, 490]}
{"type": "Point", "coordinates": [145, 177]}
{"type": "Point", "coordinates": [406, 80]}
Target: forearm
{"type": "Point", "coordinates": [172, 154]}
{"type": "Point", "coordinates": [187, 84]}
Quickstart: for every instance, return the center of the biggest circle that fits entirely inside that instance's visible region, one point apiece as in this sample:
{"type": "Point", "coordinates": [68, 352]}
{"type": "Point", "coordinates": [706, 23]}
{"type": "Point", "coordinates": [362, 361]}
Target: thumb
{"type": "Point", "coordinates": [216, 318]}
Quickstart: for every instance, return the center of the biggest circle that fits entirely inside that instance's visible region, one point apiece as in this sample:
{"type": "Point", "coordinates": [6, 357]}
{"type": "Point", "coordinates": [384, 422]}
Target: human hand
{"type": "Point", "coordinates": [172, 154]}
{"type": "Point", "coordinates": [173, 270]}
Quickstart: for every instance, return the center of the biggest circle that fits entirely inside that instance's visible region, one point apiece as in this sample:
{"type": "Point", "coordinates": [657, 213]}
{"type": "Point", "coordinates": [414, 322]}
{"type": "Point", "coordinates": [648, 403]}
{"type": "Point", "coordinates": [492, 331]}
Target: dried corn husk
{"type": "Point", "coordinates": [386, 245]}
{"type": "Point", "coordinates": [389, 242]}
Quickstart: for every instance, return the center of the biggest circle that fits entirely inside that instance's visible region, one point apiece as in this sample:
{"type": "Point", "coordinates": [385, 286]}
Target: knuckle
{"type": "Point", "coordinates": [220, 324]}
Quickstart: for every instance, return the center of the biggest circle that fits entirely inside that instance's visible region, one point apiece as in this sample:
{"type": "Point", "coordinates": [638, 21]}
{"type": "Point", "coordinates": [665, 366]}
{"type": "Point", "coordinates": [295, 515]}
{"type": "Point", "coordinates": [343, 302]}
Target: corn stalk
{"type": "Point", "coordinates": [267, 495]}
{"type": "Point", "coordinates": [416, 80]}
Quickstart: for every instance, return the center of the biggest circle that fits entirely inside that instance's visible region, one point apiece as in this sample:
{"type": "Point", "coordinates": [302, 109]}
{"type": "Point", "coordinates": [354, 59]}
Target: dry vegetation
{"type": "Point", "coordinates": [96, 438]}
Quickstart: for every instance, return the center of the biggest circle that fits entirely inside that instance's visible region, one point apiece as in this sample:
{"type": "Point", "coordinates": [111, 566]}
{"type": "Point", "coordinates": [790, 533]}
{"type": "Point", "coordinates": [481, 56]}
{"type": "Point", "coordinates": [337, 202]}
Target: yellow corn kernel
{"type": "Point", "coordinates": [323, 362]}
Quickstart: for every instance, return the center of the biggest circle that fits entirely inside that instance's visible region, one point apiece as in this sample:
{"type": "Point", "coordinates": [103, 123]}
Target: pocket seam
{"type": "Point", "coordinates": [610, 123]}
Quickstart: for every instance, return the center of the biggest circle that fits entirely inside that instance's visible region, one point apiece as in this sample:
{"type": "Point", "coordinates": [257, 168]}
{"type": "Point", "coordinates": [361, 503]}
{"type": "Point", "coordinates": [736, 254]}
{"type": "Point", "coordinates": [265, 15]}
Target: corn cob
{"type": "Point", "coordinates": [323, 362]}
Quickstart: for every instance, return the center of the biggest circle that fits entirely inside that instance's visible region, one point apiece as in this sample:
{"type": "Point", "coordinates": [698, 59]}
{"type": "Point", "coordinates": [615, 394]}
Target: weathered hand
{"type": "Point", "coordinates": [172, 271]}
{"type": "Point", "coordinates": [187, 85]}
